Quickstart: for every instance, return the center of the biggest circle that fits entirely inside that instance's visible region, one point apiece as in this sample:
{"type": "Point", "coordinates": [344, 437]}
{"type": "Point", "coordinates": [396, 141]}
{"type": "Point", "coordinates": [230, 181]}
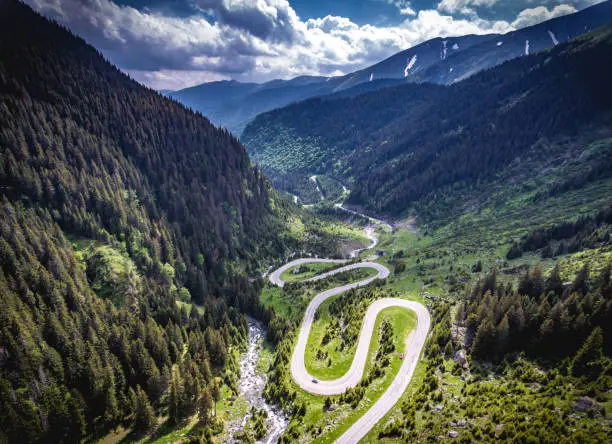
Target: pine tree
{"type": "Point", "coordinates": [484, 340]}
{"type": "Point", "coordinates": [175, 398]}
{"type": "Point", "coordinates": [215, 392]}
{"type": "Point", "coordinates": [588, 356]}
{"type": "Point", "coordinates": [144, 416]}
{"type": "Point", "coordinates": [581, 282]}
{"type": "Point", "coordinates": [502, 334]}
{"type": "Point", "coordinates": [554, 283]}
{"type": "Point", "coordinates": [537, 281]}
{"type": "Point", "coordinates": [205, 403]}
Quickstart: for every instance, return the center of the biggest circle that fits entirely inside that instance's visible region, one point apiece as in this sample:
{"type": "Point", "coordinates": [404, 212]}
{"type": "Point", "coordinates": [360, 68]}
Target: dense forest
{"type": "Point", "coordinates": [401, 145]}
{"type": "Point", "coordinates": [116, 202]}
{"type": "Point", "coordinates": [543, 316]}
{"type": "Point", "coordinates": [116, 161]}
{"type": "Point", "coordinates": [73, 364]}
{"type": "Point", "coordinates": [587, 232]}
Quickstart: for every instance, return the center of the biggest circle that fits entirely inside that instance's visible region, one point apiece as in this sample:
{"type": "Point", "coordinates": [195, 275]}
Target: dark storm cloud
{"type": "Point", "coordinates": [136, 40]}
{"type": "Point", "coordinates": [272, 20]}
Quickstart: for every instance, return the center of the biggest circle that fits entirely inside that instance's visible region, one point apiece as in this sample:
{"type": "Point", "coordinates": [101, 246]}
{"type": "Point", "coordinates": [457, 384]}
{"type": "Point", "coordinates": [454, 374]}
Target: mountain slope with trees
{"type": "Point", "coordinates": [400, 146]}
{"type": "Point", "coordinates": [116, 202]}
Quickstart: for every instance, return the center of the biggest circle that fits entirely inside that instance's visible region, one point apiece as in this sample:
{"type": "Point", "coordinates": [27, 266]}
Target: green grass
{"type": "Point", "coordinates": [341, 360]}
{"type": "Point", "coordinates": [190, 307]}
{"type": "Point", "coordinates": [345, 231]}
{"type": "Point", "coordinates": [230, 409]}
{"type": "Point", "coordinates": [308, 270]}
{"type": "Point", "coordinates": [163, 434]}
{"type": "Point", "coordinates": [291, 305]}
{"type": "Point", "coordinates": [334, 423]}
{"type": "Point", "coordinates": [284, 305]}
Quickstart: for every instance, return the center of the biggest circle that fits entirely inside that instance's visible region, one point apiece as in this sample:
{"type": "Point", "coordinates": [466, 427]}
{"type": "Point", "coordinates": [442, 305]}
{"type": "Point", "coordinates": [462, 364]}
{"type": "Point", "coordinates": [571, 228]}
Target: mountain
{"type": "Point", "coordinates": [119, 210]}
{"type": "Point", "coordinates": [412, 63]}
{"type": "Point", "coordinates": [233, 104]}
{"type": "Point", "coordinates": [397, 147]}
{"type": "Point", "coordinates": [448, 60]}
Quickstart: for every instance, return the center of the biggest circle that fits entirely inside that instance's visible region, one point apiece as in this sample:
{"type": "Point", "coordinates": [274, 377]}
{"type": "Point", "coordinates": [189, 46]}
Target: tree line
{"type": "Point", "coordinates": [542, 316]}
{"type": "Point", "coordinates": [586, 232]}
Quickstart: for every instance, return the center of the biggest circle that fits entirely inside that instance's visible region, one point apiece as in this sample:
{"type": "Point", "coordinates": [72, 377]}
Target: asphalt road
{"type": "Point", "coordinates": [387, 225]}
{"type": "Point", "coordinates": [414, 346]}
{"type": "Point", "coordinates": [275, 277]}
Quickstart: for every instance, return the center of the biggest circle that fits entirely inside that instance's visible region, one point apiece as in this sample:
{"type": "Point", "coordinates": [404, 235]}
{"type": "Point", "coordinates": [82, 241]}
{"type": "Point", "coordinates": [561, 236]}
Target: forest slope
{"type": "Point", "coordinates": [115, 202]}
{"type": "Point", "coordinates": [401, 145]}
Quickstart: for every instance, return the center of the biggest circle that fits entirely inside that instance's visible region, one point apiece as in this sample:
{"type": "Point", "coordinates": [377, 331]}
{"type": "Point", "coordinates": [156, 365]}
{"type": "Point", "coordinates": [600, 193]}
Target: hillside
{"type": "Point", "coordinates": [449, 60]}
{"type": "Point", "coordinates": [399, 147]}
{"type": "Point", "coordinates": [233, 104]}
{"type": "Point", "coordinates": [119, 210]}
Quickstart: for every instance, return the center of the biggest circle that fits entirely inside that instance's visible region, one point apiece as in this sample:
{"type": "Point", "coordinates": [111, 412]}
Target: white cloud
{"type": "Point", "coordinates": [533, 16]}
{"type": "Point", "coordinates": [463, 6]}
{"type": "Point", "coordinates": [174, 79]}
{"type": "Point", "coordinates": [407, 11]}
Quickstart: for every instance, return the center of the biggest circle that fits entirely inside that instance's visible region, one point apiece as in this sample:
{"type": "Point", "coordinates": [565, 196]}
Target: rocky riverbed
{"type": "Point", "coordinates": [251, 388]}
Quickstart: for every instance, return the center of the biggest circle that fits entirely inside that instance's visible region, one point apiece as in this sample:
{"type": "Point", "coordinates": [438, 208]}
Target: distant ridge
{"type": "Point", "coordinates": [233, 104]}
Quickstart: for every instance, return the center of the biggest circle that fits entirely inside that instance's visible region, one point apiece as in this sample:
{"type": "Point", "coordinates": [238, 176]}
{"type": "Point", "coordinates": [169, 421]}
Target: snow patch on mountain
{"type": "Point", "coordinates": [444, 49]}
{"type": "Point", "coordinates": [500, 43]}
{"type": "Point", "coordinates": [410, 65]}
{"type": "Point", "coordinates": [455, 46]}
{"type": "Point", "coordinates": [553, 37]}
{"type": "Point", "coordinates": [371, 76]}
{"type": "Point", "coordinates": [526, 47]}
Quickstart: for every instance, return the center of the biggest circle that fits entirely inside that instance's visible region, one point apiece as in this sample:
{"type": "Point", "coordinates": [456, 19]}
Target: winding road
{"type": "Point", "coordinates": [387, 225]}
{"type": "Point", "coordinates": [413, 347]}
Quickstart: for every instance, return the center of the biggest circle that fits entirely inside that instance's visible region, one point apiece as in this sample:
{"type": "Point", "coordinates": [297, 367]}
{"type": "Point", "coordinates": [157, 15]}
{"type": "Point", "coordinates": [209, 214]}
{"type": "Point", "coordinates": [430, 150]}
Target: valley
{"type": "Point", "coordinates": [414, 250]}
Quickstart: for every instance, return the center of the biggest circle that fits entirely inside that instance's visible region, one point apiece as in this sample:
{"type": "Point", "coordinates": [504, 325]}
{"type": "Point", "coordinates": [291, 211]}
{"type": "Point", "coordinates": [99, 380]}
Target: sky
{"type": "Point", "coordinates": [173, 44]}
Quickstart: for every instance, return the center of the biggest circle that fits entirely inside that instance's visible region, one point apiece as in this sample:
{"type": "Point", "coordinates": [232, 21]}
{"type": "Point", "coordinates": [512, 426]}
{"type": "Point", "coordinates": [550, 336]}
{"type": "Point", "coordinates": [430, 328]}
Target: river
{"type": "Point", "coordinates": [252, 382]}
{"type": "Point", "coordinates": [251, 388]}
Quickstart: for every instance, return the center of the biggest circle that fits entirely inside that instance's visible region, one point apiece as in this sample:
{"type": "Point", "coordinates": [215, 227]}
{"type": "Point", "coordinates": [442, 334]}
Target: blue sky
{"type": "Point", "coordinates": [171, 44]}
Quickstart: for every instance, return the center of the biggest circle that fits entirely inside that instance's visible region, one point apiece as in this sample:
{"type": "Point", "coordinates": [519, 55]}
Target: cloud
{"type": "Point", "coordinates": [267, 19]}
{"type": "Point", "coordinates": [465, 7]}
{"type": "Point", "coordinates": [532, 16]}
{"type": "Point", "coordinates": [407, 11]}
{"type": "Point", "coordinates": [174, 79]}
{"type": "Point", "coordinates": [430, 24]}
{"type": "Point", "coordinates": [256, 40]}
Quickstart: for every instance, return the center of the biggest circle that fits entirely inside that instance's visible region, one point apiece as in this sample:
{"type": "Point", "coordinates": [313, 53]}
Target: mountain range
{"type": "Point", "coordinates": [233, 104]}
{"type": "Point", "coordinates": [401, 145]}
